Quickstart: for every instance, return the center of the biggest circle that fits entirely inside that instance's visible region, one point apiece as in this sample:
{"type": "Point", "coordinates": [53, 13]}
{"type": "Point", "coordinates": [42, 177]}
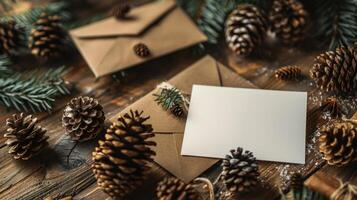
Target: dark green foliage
{"type": "Point", "coordinates": [168, 98]}
{"type": "Point", "coordinates": [30, 91]}
{"type": "Point", "coordinates": [336, 22]}
{"type": "Point", "coordinates": [27, 18]}
{"type": "Point", "coordinates": [26, 95]}
{"type": "Point", "coordinates": [53, 78]}
{"type": "Point", "coordinates": [4, 66]}
{"type": "Point", "coordinates": [304, 194]}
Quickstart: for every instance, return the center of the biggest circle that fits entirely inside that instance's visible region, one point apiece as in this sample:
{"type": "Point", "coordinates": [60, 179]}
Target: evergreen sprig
{"type": "Point", "coordinates": [26, 95]}
{"type": "Point", "coordinates": [53, 78]}
{"type": "Point", "coordinates": [27, 18]}
{"type": "Point", "coordinates": [336, 22]}
{"type": "Point", "coordinates": [303, 194]}
{"type": "Point", "coordinates": [4, 66]}
{"type": "Point", "coordinates": [168, 98]}
{"type": "Point", "coordinates": [30, 91]}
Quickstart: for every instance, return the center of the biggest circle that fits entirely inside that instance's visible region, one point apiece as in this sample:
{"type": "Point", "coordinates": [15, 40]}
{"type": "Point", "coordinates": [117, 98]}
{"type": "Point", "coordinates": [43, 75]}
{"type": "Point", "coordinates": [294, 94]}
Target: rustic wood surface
{"type": "Point", "coordinates": [56, 173]}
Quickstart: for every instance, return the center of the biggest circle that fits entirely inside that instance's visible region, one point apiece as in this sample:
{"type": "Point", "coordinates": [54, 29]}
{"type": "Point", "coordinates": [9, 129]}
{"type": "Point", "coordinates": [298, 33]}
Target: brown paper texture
{"type": "Point", "coordinates": [107, 45]}
{"type": "Point", "coordinates": [169, 130]}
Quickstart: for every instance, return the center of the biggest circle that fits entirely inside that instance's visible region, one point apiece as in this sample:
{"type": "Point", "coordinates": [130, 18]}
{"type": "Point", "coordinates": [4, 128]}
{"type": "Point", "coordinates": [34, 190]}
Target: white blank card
{"type": "Point", "coordinates": [271, 124]}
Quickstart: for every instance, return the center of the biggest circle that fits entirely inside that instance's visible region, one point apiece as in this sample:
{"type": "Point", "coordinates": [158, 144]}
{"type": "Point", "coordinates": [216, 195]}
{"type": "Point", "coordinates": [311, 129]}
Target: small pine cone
{"type": "Point", "coordinates": [338, 142]}
{"type": "Point", "coordinates": [245, 29]}
{"type": "Point", "coordinates": [333, 107]}
{"type": "Point", "coordinates": [47, 39]}
{"type": "Point", "coordinates": [178, 110]}
{"type": "Point", "coordinates": [296, 182]}
{"type": "Point", "coordinates": [142, 50]}
{"type": "Point", "coordinates": [10, 37]}
{"type": "Point", "coordinates": [24, 137]}
{"type": "Point", "coordinates": [289, 21]}
{"type": "Point", "coordinates": [120, 161]}
{"type": "Point", "coordinates": [120, 11]}
{"type": "Point", "coordinates": [83, 118]}
{"type": "Point", "coordinates": [288, 73]}
{"type": "Point", "coordinates": [175, 189]}
{"type": "Point", "coordinates": [240, 171]}
{"type": "Point", "coordinates": [336, 71]}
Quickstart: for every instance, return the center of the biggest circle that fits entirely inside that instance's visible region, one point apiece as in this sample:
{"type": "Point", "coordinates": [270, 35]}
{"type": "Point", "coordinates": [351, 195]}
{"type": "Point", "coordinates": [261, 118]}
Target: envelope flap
{"type": "Point", "coordinates": [137, 21]}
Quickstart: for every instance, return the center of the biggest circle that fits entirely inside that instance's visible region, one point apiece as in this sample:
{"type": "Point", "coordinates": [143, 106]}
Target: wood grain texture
{"type": "Point", "coordinates": [57, 174]}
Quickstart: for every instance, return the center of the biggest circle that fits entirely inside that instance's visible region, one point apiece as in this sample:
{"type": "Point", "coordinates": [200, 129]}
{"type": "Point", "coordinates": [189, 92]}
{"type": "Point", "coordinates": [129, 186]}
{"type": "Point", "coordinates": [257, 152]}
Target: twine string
{"type": "Point", "coordinates": [209, 184]}
{"type": "Point", "coordinates": [345, 191]}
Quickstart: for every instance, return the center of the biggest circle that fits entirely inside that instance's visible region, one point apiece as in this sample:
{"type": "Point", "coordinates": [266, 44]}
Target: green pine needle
{"type": "Point", "coordinates": [337, 22]}
{"type": "Point", "coordinates": [26, 95]}
{"type": "Point", "coordinates": [5, 62]}
{"type": "Point", "coordinates": [31, 91]}
{"type": "Point", "coordinates": [27, 18]}
{"type": "Point", "coordinates": [53, 78]}
{"type": "Point", "coordinates": [304, 194]}
{"type": "Point", "coordinates": [168, 98]}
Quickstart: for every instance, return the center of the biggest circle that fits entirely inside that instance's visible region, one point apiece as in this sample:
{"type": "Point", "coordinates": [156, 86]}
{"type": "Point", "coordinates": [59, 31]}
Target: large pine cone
{"type": "Point", "coordinates": [289, 21]}
{"type": "Point", "coordinates": [338, 142]}
{"type": "Point", "coordinates": [120, 161]}
{"type": "Point", "coordinates": [47, 39]}
{"type": "Point", "coordinates": [245, 29]}
{"type": "Point", "coordinates": [175, 189]}
{"type": "Point", "coordinates": [83, 118]}
{"type": "Point", "coordinates": [10, 37]}
{"type": "Point", "coordinates": [336, 71]}
{"type": "Point", "coordinates": [24, 137]}
{"type": "Point", "coordinates": [240, 171]}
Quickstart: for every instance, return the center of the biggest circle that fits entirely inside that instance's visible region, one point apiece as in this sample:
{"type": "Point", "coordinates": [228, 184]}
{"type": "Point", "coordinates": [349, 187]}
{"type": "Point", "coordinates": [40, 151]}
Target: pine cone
{"type": "Point", "coordinates": [177, 110]}
{"type": "Point", "coordinates": [24, 137]}
{"type": "Point", "coordinates": [245, 29]}
{"type": "Point", "coordinates": [289, 21]}
{"type": "Point", "coordinates": [288, 73]}
{"type": "Point", "coordinates": [296, 181]}
{"type": "Point", "coordinates": [83, 118]}
{"type": "Point", "coordinates": [142, 50]}
{"type": "Point", "coordinates": [175, 189]}
{"type": "Point", "coordinates": [120, 161]}
{"type": "Point", "coordinates": [47, 39]}
{"type": "Point", "coordinates": [332, 106]}
{"type": "Point", "coordinates": [120, 11]}
{"type": "Point", "coordinates": [336, 71]}
{"type": "Point", "coordinates": [338, 142]}
{"type": "Point", "coordinates": [240, 171]}
{"type": "Point", "coordinates": [10, 37]}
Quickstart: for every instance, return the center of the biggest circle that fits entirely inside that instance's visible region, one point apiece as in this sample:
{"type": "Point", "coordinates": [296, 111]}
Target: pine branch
{"type": "Point", "coordinates": [53, 78]}
{"type": "Point", "coordinates": [337, 22]}
{"type": "Point", "coordinates": [168, 98]}
{"type": "Point", "coordinates": [27, 18]}
{"type": "Point", "coordinates": [26, 95]}
{"type": "Point", "coordinates": [4, 66]}
{"type": "Point", "coordinates": [32, 91]}
{"type": "Point", "coordinates": [303, 194]}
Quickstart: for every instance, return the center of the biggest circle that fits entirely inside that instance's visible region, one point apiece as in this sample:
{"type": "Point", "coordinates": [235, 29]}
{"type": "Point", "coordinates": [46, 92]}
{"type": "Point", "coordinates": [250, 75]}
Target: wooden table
{"type": "Point", "coordinates": [54, 173]}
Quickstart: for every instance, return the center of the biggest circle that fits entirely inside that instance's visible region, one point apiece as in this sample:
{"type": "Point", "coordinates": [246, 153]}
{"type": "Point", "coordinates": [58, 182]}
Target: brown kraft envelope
{"type": "Point", "coordinates": [169, 130]}
{"type": "Point", "coordinates": [107, 45]}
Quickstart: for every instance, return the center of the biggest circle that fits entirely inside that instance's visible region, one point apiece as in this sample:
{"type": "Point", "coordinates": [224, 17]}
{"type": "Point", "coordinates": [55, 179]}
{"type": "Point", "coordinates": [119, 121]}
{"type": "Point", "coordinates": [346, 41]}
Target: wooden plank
{"type": "Point", "coordinates": [52, 173]}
